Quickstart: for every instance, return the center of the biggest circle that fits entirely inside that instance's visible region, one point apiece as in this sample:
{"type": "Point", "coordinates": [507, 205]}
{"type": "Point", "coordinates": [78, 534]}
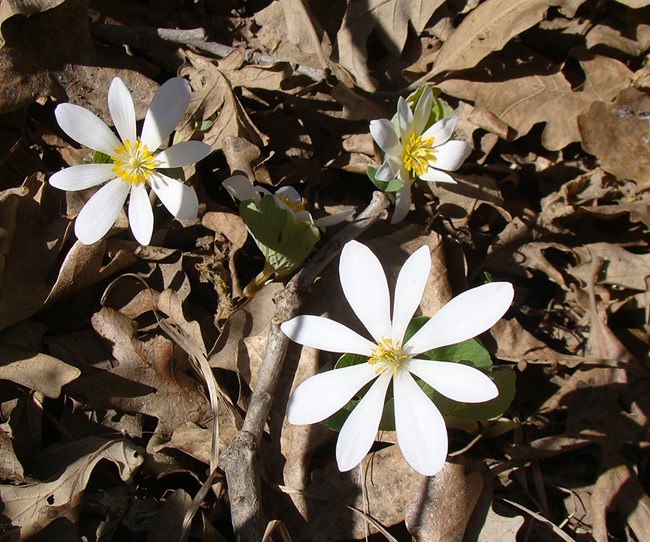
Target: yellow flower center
{"type": "Point", "coordinates": [417, 154]}
{"type": "Point", "coordinates": [295, 206]}
{"type": "Point", "coordinates": [387, 355]}
{"type": "Point", "coordinates": [133, 162]}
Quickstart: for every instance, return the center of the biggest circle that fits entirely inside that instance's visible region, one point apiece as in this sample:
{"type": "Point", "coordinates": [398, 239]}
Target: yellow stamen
{"type": "Point", "coordinates": [133, 162]}
{"type": "Point", "coordinates": [418, 154]}
{"type": "Point", "coordinates": [387, 355]}
{"type": "Point", "coordinates": [295, 206]}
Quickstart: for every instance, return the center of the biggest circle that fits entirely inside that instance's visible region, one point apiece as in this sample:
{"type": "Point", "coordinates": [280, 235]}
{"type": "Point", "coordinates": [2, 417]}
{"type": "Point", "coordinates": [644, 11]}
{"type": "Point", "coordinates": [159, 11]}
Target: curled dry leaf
{"type": "Point", "coordinates": [32, 507]}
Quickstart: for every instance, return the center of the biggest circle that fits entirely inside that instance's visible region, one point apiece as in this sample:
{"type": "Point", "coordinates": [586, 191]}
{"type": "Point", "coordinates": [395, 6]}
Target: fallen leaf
{"type": "Point", "coordinates": [522, 96]}
{"type": "Point", "coordinates": [618, 134]}
{"type": "Point", "coordinates": [31, 507]}
{"type": "Point", "coordinates": [23, 363]}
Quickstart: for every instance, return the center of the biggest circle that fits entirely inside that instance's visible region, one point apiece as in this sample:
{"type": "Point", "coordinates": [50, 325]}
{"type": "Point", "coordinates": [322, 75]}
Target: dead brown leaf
{"type": "Point", "coordinates": [536, 91]}
{"type": "Point", "coordinates": [32, 507]}
{"type": "Point", "coordinates": [618, 134]}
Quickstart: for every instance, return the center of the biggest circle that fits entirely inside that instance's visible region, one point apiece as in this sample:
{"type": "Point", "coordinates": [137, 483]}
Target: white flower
{"type": "Point", "coordinates": [134, 164]}
{"type": "Point", "coordinates": [287, 197]}
{"type": "Point", "coordinates": [421, 432]}
{"type": "Point", "coordinates": [411, 152]}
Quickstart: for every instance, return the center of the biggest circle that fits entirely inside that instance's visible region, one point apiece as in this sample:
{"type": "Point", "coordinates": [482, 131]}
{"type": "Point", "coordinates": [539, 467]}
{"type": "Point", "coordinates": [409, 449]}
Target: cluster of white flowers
{"type": "Point", "coordinates": [413, 151]}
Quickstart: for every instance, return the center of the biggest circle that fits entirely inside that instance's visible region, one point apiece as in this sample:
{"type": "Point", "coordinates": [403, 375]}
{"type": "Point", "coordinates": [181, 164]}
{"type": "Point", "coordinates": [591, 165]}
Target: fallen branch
{"type": "Point", "coordinates": [136, 36]}
{"type": "Point", "coordinates": [240, 460]}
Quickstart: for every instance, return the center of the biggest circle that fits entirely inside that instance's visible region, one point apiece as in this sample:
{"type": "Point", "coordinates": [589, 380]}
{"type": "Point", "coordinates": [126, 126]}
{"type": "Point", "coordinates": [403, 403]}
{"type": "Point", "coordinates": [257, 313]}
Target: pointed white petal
{"type": "Point", "coordinates": [422, 110]}
{"type": "Point", "coordinates": [455, 380]}
{"type": "Point", "coordinates": [241, 189]}
{"type": "Point", "coordinates": [86, 128]}
{"type": "Point", "coordinates": [388, 169]}
{"type": "Point", "coordinates": [359, 430]}
{"type": "Point", "coordinates": [465, 316]}
{"type": "Point", "coordinates": [183, 154]}
{"type": "Point", "coordinates": [383, 132]}
{"type": "Point", "coordinates": [402, 203]}
{"type": "Point", "coordinates": [100, 213]}
{"type": "Point", "coordinates": [333, 219]}
{"type": "Point", "coordinates": [436, 176]}
{"type": "Point", "coordinates": [365, 287]}
{"type": "Point", "coordinates": [421, 431]}
{"type": "Point", "coordinates": [451, 155]}
{"type": "Point", "coordinates": [441, 131]}
{"type": "Point", "coordinates": [140, 214]}
{"type": "Point", "coordinates": [165, 112]}
{"type": "Point", "coordinates": [405, 120]}
{"type": "Point", "coordinates": [82, 177]}
{"type": "Point", "coordinates": [326, 334]}
{"type": "Point", "coordinates": [409, 288]}
{"type": "Point", "coordinates": [324, 394]}
{"type": "Point", "coordinates": [180, 199]}
{"type": "Point", "coordinates": [120, 104]}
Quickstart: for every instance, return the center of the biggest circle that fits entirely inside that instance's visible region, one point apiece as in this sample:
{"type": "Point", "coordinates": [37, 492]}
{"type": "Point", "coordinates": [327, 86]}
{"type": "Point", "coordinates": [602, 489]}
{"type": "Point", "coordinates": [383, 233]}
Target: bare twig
{"type": "Point", "coordinates": [240, 460]}
{"type": "Point", "coordinates": [136, 36]}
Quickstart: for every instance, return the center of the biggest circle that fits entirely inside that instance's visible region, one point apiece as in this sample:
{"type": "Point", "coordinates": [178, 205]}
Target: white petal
{"type": "Point", "coordinates": [451, 155]}
{"type": "Point", "coordinates": [465, 316]}
{"type": "Point", "coordinates": [402, 203]}
{"type": "Point", "coordinates": [388, 169]}
{"type": "Point", "coordinates": [120, 104]}
{"type": "Point", "coordinates": [421, 431]}
{"type": "Point", "coordinates": [324, 394]}
{"type": "Point", "coordinates": [455, 380]}
{"type": "Point", "coordinates": [100, 213]}
{"type": "Point", "coordinates": [383, 132]}
{"type": "Point", "coordinates": [82, 177]}
{"type": "Point", "coordinates": [326, 334]}
{"type": "Point", "coordinates": [333, 219]}
{"type": "Point", "coordinates": [422, 110]}
{"type": "Point", "coordinates": [288, 192]}
{"type": "Point", "coordinates": [240, 188]}
{"type": "Point", "coordinates": [183, 154]}
{"type": "Point", "coordinates": [436, 176]}
{"type": "Point", "coordinates": [409, 288]}
{"type": "Point", "coordinates": [359, 430]}
{"type": "Point", "coordinates": [140, 214]}
{"type": "Point", "coordinates": [405, 120]}
{"type": "Point", "coordinates": [86, 128]}
{"type": "Point", "coordinates": [441, 131]}
{"type": "Point", "coordinates": [180, 199]}
{"type": "Point", "coordinates": [365, 287]}
{"type": "Point", "coordinates": [165, 112]}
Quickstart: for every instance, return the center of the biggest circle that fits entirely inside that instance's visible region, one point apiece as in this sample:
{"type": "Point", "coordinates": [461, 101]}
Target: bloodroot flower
{"type": "Point", "coordinates": [134, 163]}
{"type": "Point", "coordinates": [414, 151]}
{"type": "Point", "coordinates": [421, 431]}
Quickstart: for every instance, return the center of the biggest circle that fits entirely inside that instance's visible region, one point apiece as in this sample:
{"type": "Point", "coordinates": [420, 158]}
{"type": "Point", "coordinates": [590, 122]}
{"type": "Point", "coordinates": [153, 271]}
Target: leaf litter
{"type": "Point", "coordinates": [130, 377]}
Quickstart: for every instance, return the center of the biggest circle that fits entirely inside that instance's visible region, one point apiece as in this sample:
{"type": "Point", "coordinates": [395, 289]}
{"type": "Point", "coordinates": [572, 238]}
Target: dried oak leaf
{"type": "Point", "coordinates": [144, 378]}
{"type": "Point", "coordinates": [30, 243]}
{"type": "Point", "coordinates": [390, 19]}
{"type": "Point", "coordinates": [533, 90]}
{"type": "Point", "coordinates": [618, 134]}
{"type": "Point", "coordinates": [486, 29]}
{"type": "Point", "coordinates": [22, 362]}
{"type": "Point", "coordinates": [29, 508]}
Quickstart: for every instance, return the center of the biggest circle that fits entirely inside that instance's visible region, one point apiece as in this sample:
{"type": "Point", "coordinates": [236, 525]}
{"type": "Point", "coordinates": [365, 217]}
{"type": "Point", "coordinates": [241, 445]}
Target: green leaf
{"type": "Point", "coordinates": [439, 109]}
{"type": "Point", "coordinates": [173, 172]}
{"type": "Point", "coordinates": [385, 186]}
{"type": "Point", "coordinates": [504, 378]}
{"type": "Point", "coordinates": [285, 241]}
{"type": "Point", "coordinates": [101, 158]}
